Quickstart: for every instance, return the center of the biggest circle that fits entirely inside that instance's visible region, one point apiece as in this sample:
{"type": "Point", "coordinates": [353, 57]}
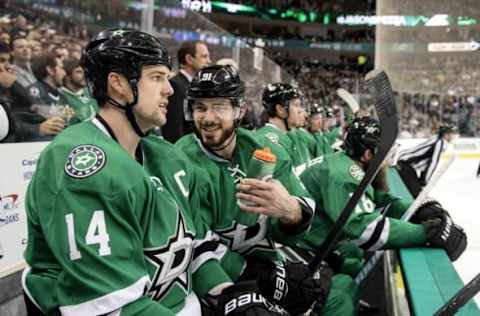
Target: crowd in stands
{"type": "Point", "coordinates": [41, 81]}
{"type": "Point", "coordinates": [421, 113]}
{"type": "Point", "coordinates": [342, 6]}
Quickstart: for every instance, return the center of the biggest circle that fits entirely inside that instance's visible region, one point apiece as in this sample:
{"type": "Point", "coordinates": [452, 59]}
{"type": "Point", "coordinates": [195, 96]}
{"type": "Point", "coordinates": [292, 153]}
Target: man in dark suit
{"type": "Point", "coordinates": [192, 56]}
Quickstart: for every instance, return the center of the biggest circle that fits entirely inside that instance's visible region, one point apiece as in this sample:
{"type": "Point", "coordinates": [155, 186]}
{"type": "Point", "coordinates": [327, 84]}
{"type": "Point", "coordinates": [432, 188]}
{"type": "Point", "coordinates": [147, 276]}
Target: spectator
{"type": "Point", "coordinates": [75, 50]}
{"type": "Point", "coordinates": [10, 91]}
{"type": "Point", "coordinates": [36, 48]}
{"type": "Point", "coordinates": [47, 111]}
{"type": "Point", "coordinates": [192, 56]}
{"type": "Point", "coordinates": [5, 38]}
{"type": "Point", "coordinates": [22, 55]}
{"type": "Point", "coordinates": [7, 126]}
{"type": "Point", "coordinates": [61, 52]}
{"type": "Point", "coordinates": [7, 78]}
{"type": "Point", "coordinates": [76, 93]}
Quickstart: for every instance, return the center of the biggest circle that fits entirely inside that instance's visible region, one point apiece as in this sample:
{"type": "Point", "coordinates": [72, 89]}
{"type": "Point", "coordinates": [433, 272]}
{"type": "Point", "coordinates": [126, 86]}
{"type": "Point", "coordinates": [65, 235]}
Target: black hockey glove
{"type": "Point", "coordinates": [428, 210]}
{"type": "Point", "coordinates": [443, 233]}
{"type": "Point", "coordinates": [292, 286]}
{"type": "Point", "coordinates": [244, 299]}
{"type": "Point", "coordinates": [335, 260]}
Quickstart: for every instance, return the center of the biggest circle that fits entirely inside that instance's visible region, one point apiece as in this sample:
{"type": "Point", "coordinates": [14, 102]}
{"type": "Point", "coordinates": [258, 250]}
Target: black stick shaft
{"type": "Point", "coordinates": [461, 298]}
{"type": "Point", "coordinates": [382, 92]}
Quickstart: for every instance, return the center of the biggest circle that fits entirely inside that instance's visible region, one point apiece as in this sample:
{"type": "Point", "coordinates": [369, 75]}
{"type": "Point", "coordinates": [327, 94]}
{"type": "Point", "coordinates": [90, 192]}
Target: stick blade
{"type": "Point", "coordinates": [349, 99]}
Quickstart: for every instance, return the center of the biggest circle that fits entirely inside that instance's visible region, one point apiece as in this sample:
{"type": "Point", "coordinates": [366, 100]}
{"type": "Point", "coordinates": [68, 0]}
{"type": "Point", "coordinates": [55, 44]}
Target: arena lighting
{"type": "Point", "coordinates": [233, 8]}
{"type": "Point", "coordinates": [203, 6]}
{"type": "Point", "coordinates": [406, 20]}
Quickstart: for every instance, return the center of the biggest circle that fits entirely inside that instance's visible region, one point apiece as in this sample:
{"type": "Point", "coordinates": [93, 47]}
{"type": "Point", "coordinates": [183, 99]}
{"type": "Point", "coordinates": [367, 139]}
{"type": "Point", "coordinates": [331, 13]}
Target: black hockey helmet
{"type": "Point", "coordinates": [329, 111]}
{"type": "Point", "coordinates": [362, 134]}
{"type": "Point", "coordinates": [447, 127]}
{"type": "Point", "coordinates": [278, 93]}
{"type": "Point", "coordinates": [217, 81]}
{"type": "Point", "coordinates": [316, 108]}
{"type": "Point", "coordinates": [124, 51]}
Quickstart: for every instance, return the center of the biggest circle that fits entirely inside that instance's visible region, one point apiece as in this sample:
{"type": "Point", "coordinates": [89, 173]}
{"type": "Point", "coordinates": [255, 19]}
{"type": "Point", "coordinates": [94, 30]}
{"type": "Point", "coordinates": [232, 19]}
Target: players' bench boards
{"type": "Point", "coordinates": [430, 277]}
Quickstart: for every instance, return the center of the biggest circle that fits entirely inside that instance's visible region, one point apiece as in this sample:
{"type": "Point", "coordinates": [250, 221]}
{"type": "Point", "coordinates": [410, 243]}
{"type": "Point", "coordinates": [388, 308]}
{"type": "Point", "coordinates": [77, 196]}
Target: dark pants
{"type": "Point", "coordinates": [409, 178]}
{"type": "Point", "coordinates": [32, 310]}
{"type": "Point", "coordinates": [478, 170]}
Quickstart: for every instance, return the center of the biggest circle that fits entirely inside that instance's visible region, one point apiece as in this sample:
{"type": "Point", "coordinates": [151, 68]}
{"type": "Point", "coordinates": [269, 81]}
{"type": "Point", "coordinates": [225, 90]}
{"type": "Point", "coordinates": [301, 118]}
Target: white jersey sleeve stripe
{"type": "Point", "coordinates": [383, 236]}
{"type": "Point", "coordinates": [110, 302]}
{"type": "Point", "coordinates": [368, 232]}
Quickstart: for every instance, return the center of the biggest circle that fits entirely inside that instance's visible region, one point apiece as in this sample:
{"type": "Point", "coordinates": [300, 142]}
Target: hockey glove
{"type": "Point", "coordinates": [428, 210]}
{"type": "Point", "coordinates": [443, 233]}
{"type": "Point", "coordinates": [244, 299]}
{"type": "Point", "coordinates": [292, 286]}
{"type": "Point", "coordinates": [335, 260]}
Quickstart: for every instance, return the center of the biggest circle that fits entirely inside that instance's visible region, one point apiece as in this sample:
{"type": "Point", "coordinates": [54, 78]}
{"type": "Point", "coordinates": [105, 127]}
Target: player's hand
{"type": "Point", "coordinates": [442, 232]}
{"type": "Point", "coordinates": [7, 76]}
{"type": "Point", "coordinates": [52, 126]}
{"type": "Point", "coordinates": [294, 287]}
{"type": "Point", "coordinates": [429, 209]}
{"type": "Point", "coordinates": [271, 199]}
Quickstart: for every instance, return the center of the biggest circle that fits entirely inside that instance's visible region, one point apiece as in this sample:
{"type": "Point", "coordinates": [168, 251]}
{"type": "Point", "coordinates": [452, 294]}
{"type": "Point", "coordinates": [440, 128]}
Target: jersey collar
{"type": "Point", "coordinates": [103, 126]}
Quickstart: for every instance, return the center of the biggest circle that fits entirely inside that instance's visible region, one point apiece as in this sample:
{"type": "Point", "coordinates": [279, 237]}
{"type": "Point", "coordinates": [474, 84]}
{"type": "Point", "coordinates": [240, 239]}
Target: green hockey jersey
{"type": "Point", "coordinates": [333, 135]}
{"type": "Point", "coordinates": [171, 166]}
{"type": "Point", "coordinates": [331, 182]}
{"type": "Point", "coordinates": [295, 147]}
{"type": "Point", "coordinates": [105, 235]}
{"type": "Point", "coordinates": [323, 145]}
{"type": "Point", "coordinates": [83, 104]}
{"type": "Point", "coordinates": [220, 208]}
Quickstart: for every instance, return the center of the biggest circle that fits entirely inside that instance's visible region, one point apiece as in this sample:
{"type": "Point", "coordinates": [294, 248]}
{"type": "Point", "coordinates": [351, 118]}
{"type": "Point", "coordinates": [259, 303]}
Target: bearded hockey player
{"type": "Point", "coordinates": [332, 182]}
{"type": "Point", "coordinates": [281, 210]}
{"type": "Point", "coordinates": [104, 235]}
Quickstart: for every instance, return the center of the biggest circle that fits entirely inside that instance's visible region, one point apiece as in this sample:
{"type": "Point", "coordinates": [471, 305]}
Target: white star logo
{"type": "Point", "coordinates": [246, 239]}
{"type": "Point", "coordinates": [171, 261]}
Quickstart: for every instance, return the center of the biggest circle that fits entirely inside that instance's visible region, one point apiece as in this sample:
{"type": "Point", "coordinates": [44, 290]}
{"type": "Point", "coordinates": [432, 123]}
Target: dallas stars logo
{"type": "Point", "coordinates": [246, 239]}
{"type": "Point", "coordinates": [84, 160]}
{"type": "Point", "coordinates": [171, 261]}
{"type": "Point", "coordinates": [272, 137]}
{"type": "Point", "coordinates": [356, 172]}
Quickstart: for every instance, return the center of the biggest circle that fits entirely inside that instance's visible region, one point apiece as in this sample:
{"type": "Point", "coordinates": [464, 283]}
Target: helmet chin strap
{"type": "Point", "coordinates": [128, 108]}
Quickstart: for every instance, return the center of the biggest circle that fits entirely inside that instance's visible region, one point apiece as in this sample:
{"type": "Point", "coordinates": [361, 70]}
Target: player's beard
{"type": "Point", "coordinates": [216, 142]}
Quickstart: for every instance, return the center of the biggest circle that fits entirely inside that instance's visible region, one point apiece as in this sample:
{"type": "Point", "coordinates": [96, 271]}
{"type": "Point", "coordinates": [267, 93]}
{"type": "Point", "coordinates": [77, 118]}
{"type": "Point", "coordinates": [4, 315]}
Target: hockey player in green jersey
{"type": "Point", "coordinates": [375, 222]}
{"type": "Point", "coordinates": [104, 235]}
{"type": "Point", "coordinates": [222, 151]}
{"type": "Point", "coordinates": [283, 104]}
{"type": "Point", "coordinates": [332, 130]}
{"type": "Point", "coordinates": [316, 125]}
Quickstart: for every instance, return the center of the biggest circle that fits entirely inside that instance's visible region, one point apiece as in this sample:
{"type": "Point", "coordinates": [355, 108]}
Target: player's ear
{"type": "Point", "coordinates": [281, 111]}
{"type": "Point", "coordinates": [367, 156]}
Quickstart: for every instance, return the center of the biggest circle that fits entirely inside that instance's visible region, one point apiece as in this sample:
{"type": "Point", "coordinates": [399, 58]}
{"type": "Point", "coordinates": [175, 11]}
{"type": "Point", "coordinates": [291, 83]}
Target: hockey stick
{"type": "Point", "coordinates": [461, 298]}
{"type": "Point", "coordinates": [362, 275]}
{"type": "Point", "coordinates": [382, 93]}
{"type": "Point", "coordinates": [349, 99]}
